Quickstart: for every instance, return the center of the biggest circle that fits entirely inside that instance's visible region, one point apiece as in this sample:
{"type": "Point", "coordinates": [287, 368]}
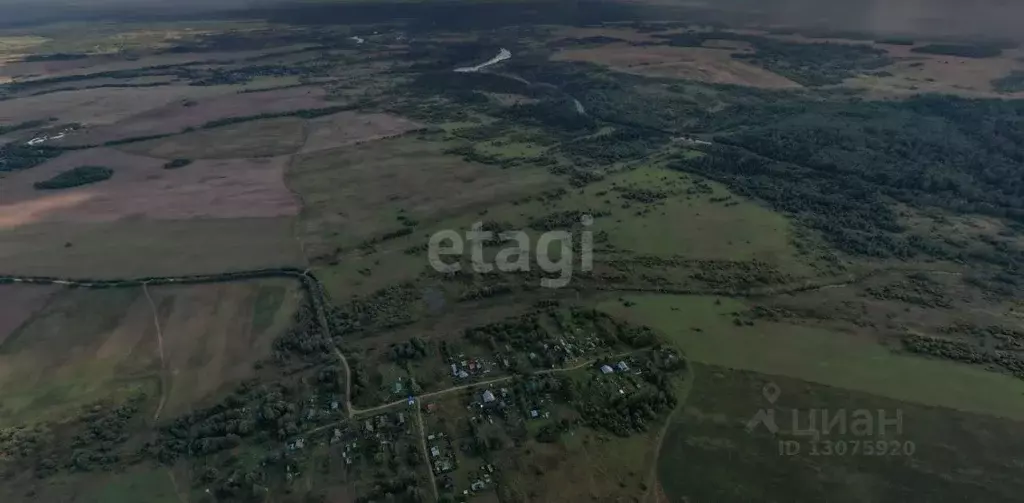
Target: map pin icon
{"type": "Point", "coordinates": [771, 392]}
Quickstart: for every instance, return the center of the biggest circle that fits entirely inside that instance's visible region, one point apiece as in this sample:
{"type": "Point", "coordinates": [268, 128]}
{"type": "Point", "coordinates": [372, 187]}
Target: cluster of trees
{"type": "Point", "coordinates": [19, 156]}
{"type": "Point", "coordinates": [920, 292]}
{"type": "Point", "coordinates": [404, 489]}
{"type": "Point", "coordinates": [964, 352]}
{"type": "Point", "coordinates": [413, 349]}
{"type": "Point", "coordinates": [1006, 339]}
{"type": "Point", "coordinates": [630, 413]}
{"type": "Point", "coordinates": [641, 195]}
{"type": "Point", "coordinates": [531, 334]}
{"type": "Point", "coordinates": [257, 411]}
{"type": "Point", "coordinates": [75, 177]}
{"type": "Point", "coordinates": [385, 308]}
{"type": "Point", "coordinates": [896, 41]}
{"type": "Point", "coordinates": [177, 163]}
{"type": "Point", "coordinates": [93, 440]}
{"type": "Point", "coordinates": [622, 144]}
{"type": "Point", "coordinates": [54, 56]}
{"type": "Point", "coordinates": [304, 338]}
{"type": "Point", "coordinates": [563, 220]}
{"type": "Point", "coordinates": [738, 276]}
{"type": "Point", "coordinates": [199, 76]}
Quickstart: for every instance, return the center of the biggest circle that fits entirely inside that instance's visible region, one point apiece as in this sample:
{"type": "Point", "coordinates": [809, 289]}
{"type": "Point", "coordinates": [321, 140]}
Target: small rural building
{"type": "Point", "coordinates": [488, 397]}
{"type": "Point", "coordinates": [606, 369]}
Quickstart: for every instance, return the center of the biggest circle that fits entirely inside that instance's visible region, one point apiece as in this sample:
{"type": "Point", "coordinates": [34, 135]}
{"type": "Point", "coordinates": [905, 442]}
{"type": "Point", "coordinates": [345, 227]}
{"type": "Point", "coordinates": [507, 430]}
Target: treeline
{"type": "Point", "coordinates": [1012, 83]}
{"type": "Point", "coordinates": [961, 50]}
{"type": "Point", "coordinates": [75, 177]}
{"type": "Point", "coordinates": [228, 76]}
{"type": "Point", "coordinates": [308, 113]}
{"type": "Point", "coordinates": [20, 126]}
{"type": "Point", "coordinates": [56, 56]}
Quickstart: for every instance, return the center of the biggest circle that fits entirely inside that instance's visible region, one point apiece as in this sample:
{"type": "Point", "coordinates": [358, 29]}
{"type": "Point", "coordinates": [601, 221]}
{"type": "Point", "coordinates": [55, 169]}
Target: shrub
{"type": "Point", "coordinates": [177, 163]}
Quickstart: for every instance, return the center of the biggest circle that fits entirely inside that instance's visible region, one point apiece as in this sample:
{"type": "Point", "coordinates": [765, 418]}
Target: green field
{"type": "Point", "coordinates": [703, 327]}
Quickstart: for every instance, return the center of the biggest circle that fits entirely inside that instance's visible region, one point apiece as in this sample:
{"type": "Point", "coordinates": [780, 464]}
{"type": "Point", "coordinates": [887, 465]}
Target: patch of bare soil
{"type": "Point", "coordinates": [18, 303]}
{"type": "Point", "coordinates": [348, 128]}
{"type": "Point", "coordinates": [178, 116]}
{"type": "Point", "coordinates": [141, 187]}
{"type": "Point", "coordinates": [692, 63]}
